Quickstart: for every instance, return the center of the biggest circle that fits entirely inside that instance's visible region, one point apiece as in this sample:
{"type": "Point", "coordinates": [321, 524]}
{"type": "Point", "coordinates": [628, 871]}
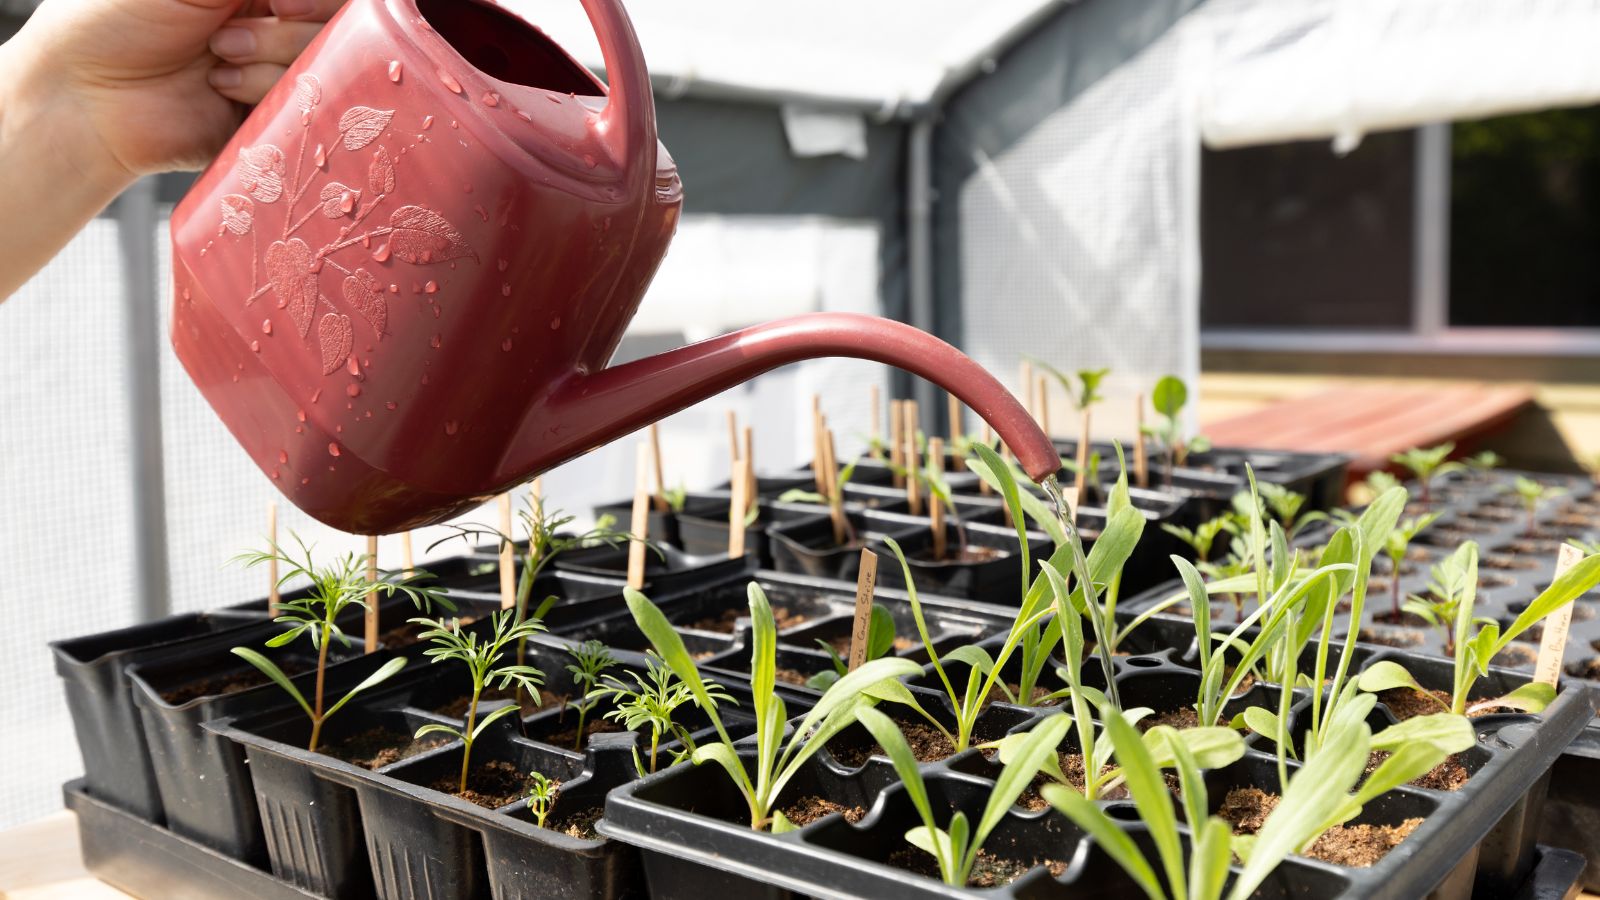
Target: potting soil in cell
{"type": "Point", "coordinates": [1359, 846]}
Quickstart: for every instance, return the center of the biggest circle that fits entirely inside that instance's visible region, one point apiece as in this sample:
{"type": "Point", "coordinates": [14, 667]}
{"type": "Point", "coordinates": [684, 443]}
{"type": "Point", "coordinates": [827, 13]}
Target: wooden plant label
{"type": "Point", "coordinates": [935, 507]}
{"type": "Point", "coordinates": [640, 528]}
{"type": "Point", "coordinates": [988, 439]}
{"type": "Point", "coordinates": [748, 454]}
{"type": "Point", "coordinates": [372, 596]}
{"type": "Point", "coordinates": [1141, 458]}
{"type": "Point", "coordinates": [1026, 376]}
{"type": "Point", "coordinates": [508, 558]}
{"type": "Point", "coordinates": [407, 560]}
{"type": "Point", "coordinates": [1553, 645]}
{"type": "Point", "coordinates": [830, 470]}
{"type": "Point", "coordinates": [953, 410]}
{"type": "Point", "coordinates": [897, 447]}
{"type": "Point", "coordinates": [733, 438]}
{"type": "Point", "coordinates": [876, 431]}
{"type": "Point", "coordinates": [737, 506]}
{"type": "Point", "coordinates": [272, 564]}
{"type": "Point", "coordinates": [866, 583]}
{"type": "Point", "coordinates": [1044, 406]}
{"type": "Point", "coordinates": [655, 462]}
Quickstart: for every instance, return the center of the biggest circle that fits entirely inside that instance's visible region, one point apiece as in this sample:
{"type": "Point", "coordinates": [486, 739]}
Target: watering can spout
{"type": "Point", "coordinates": [589, 410]}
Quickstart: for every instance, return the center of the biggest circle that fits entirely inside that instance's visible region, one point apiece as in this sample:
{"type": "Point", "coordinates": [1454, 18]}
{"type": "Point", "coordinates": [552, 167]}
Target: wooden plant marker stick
{"type": "Point", "coordinates": [508, 557]}
{"type": "Point", "coordinates": [372, 596]}
{"type": "Point", "coordinates": [988, 439]}
{"type": "Point", "coordinates": [1141, 458]}
{"type": "Point", "coordinates": [913, 459]}
{"type": "Point", "coordinates": [640, 529]}
{"type": "Point", "coordinates": [1044, 406]}
{"type": "Point", "coordinates": [818, 423]}
{"type": "Point", "coordinates": [1027, 386]}
{"type": "Point", "coordinates": [866, 583]}
{"type": "Point", "coordinates": [953, 411]}
{"type": "Point", "coordinates": [896, 444]}
{"type": "Point", "coordinates": [830, 468]}
{"type": "Point", "coordinates": [935, 507]}
{"type": "Point", "coordinates": [736, 507]}
{"type": "Point", "coordinates": [407, 558]}
{"type": "Point", "coordinates": [1081, 480]}
{"type": "Point", "coordinates": [877, 423]}
{"type": "Point", "coordinates": [1553, 644]}
{"type": "Point", "coordinates": [272, 564]}
{"type": "Point", "coordinates": [655, 462]}
{"type": "Point", "coordinates": [733, 438]}
{"type": "Point", "coordinates": [748, 454]}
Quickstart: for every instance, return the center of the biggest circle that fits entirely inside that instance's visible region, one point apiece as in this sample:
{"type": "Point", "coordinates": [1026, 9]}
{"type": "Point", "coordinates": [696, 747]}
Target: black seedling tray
{"type": "Point", "coordinates": [703, 525]}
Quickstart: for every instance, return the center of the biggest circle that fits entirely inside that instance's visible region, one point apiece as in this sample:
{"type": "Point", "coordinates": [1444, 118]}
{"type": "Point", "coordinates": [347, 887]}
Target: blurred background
{"type": "Point", "coordinates": [1269, 198]}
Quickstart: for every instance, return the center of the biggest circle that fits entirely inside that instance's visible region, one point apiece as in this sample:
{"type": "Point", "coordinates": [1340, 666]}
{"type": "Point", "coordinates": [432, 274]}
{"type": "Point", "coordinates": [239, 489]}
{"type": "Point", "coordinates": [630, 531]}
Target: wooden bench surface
{"type": "Point", "coordinates": [1373, 422]}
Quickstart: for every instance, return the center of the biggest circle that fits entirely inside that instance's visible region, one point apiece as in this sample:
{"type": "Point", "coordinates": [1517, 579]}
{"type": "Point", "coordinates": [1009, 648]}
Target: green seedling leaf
{"type": "Point", "coordinates": [1449, 733]}
{"type": "Point", "coordinates": [1110, 837]}
{"type": "Point", "coordinates": [383, 674]}
{"type": "Point", "coordinates": [1532, 697]}
{"type": "Point", "coordinates": [1210, 746]}
{"type": "Point", "coordinates": [1169, 396]}
{"type": "Point", "coordinates": [271, 670]}
{"type": "Point", "coordinates": [1386, 675]}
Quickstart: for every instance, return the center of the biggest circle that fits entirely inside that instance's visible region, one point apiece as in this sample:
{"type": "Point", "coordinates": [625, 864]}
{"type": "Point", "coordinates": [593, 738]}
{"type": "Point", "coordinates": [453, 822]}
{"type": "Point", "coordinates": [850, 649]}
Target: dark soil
{"type": "Point", "coordinates": [927, 745]}
{"type": "Point", "coordinates": [1180, 719]}
{"type": "Point", "coordinates": [1495, 581]}
{"type": "Point", "coordinates": [1357, 846]}
{"type": "Point", "coordinates": [406, 634]}
{"type": "Point", "coordinates": [1391, 637]}
{"type": "Point", "coordinates": [723, 622]}
{"type": "Point", "coordinates": [595, 724]}
{"type": "Point", "coordinates": [1407, 703]}
{"type": "Point", "coordinates": [790, 676]}
{"type": "Point", "coordinates": [809, 809]}
{"type": "Point", "coordinates": [580, 824]}
{"type": "Point", "coordinates": [457, 708]}
{"type": "Point", "coordinates": [231, 684]}
{"type": "Point", "coordinates": [1585, 668]}
{"type": "Point", "coordinates": [1516, 654]}
{"type": "Point", "coordinates": [378, 747]}
{"type": "Point", "coordinates": [490, 785]}
{"type": "Point", "coordinates": [989, 871]}
{"type": "Point", "coordinates": [1406, 619]}
{"type": "Point", "coordinates": [967, 554]}
{"type": "Point", "coordinates": [1506, 563]}
{"type": "Point", "coordinates": [1072, 766]}
{"type": "Point", "coordinates": [1449, 775]}
{"type": "Point", "coordinates": [999, 696]}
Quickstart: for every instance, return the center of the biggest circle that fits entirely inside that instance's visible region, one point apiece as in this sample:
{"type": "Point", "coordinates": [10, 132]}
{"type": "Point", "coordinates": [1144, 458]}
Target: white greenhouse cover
{"type": "Point", "coordinates": [1278, 71]}
{"type": "Point", "coordinates": [876, 54]}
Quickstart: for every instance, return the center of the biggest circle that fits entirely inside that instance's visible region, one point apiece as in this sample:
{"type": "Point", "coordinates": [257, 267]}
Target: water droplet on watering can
{"type": "Point", "coordinates": [274, 474]}
{"type": "Point", "coordinates": [466, 188]}
{"type": "Point", "coordinates": [553, 99]}
{"type": "Point", "coordinates": [255, 346]}
{"type": "Point", "coordinates": [333, 449]}
{"type": "Point", "coordinates": [382, 253]}
{"type": "Point", "coordinates": [392, 405]}
{"type": "Point", "coordinates": [339, 429]}
{"type": "Point", "coordinates": [505, 345]}
{"type": "Point", "coordinates": [450, 81]}
{"type": "Point", "coordinates": [305, 481]}
{"type": "Point", "coordinates": [555, 324]}
{"type": "Point", "coordinates": [432, 287]}
{"type": "Point", "coordinates": [452, 426]}
{"type": "Point", "coordinates": [316, 395]}
{"type": "Point", "coordinates": [454, 124]}
{"type": "Point", "coordinates": [283, 457]}
{"type": "Point", "coordinates": [299, 429]}
{"type": "Point", "coordinates": [436, 312]}
{"type": "Point", "coordinates": [524, 116]}
{"type": "Point", "coordinates": [394, 70]}
{"type": "Point", "coordinates": [424, 377]}
{"type": "Point", "coordinates": [300, 414]}
{"type": "Point", "coordinates": [427, 122]}
{"type": "Point", "coordinates": [320, 157]}
{"type": "Point", "coordinates": [505, 289]}
{"type": "Point", "coordinates": [316, 264]}
{"type": "Point", "coordinates": [347, 202]}
{"type": "Point", "coordinates": [588, 160]}
{"type": "Point", "coordinates": [353, 367]}
{"type": "Point", "coordinates": [394, 288]}
{"type": "Point", "coordinates": [490, 98]}
{"type": "Point", "coordinates": [236, 378]}
{"type": "Point", "coordinates": [353, 390]}
{"type": "Point", "coordinates": [435, 341]}
{"type": "Point", "coordinates": [502, 264]}
{"type": "Point", "coordinates": [266, 326]}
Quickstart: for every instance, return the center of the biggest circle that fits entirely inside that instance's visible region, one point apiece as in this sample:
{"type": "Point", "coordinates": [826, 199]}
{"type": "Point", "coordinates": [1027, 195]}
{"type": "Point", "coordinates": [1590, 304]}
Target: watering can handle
{"type": "Point", "coordinates": [628, 123]}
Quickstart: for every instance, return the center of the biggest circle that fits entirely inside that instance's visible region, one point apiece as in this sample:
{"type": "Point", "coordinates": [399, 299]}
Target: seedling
{"type": "Point", "coordinates": [1285, 506]}
{"type": "Point", "coordinates": [541, 796]}
{"type": "Point", "coordinates": [483, 662]}
{"type": "Point", "coordinates": [1395, 547]}
{"type": "Point", "coordinates": [880, 640]}
{"type": "Point", "coordinates": [1483, 463]}
{"type": "Point", "coordinates": [1532, 493]}
{"type": "Point", "coordinates": [1086, 391]}
{"type": "Point", "coordinates": [1474, 650]}
{"type": "Point", "coordinates": [956, 845]}
{"type": "Point", "coordinates": [1426, 465]}
{"type": "Point", "coordinates": [676, 497]}
{"type": "Point", "coordinates": [1445, 591]}
{"type": "Point", "coordinates": [777, 762]}
{"type": "Point", "coordinates": [333, 589]}
{"type": "Point", "coordinates": [589, 659]}
{"type": "Point", "coordinates": [1169, 397]}
{"type": "Point", "coordinates": [1203, 537]}
{"type": "Point", "coordinates": [652, 701]}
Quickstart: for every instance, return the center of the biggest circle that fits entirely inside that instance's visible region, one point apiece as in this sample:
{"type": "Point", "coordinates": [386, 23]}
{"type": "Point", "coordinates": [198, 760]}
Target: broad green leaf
{"type": "Point", "coordinates": [1169, 395]}
{"type": "Point", "coordinates": [888, 736]}
{"type": "Point", "coordinates": [1087, 815]}
{"type": "Point", "coordinates": [286, 637]}
{"type": "Point", "coordinates": [1567, 587]}
{"type": "Point", "coordinates": [972, 655]}
{"type": "Point", "coordinates": [271, 670]}
{"type": "Point", "coordinates": [1208, 864]}
{"type": "Point", "coordinates": [1211, 746]}
{"type": "Point", "coordinates": [1386, 675]}
{"type": "Point", "coordinates": [1261, 721]}
{"type": "Point", "coordinates": [1405, 763]}
{"type": "Point", "coordinates": [1192, 789]}
{"type": "Point", "coordinates": [852, 684]}
{"type": "Point", "coordinates": [724, 756]}
{"type": "Point", "coordinates": [1532, 697]}
{"type": "Point", "coordinates": [936, 842]}
{"type": "Point", "coordinates": [781, 823]}
{"type": "Point", "coordinates": [1008, 491]}
{"type": "Point", "coordinates": [891, 690]}
{"type": "Point", "coordinates": [383, 674]}
{"type": "Point", "coordinates": [1150, 795]}
{"type": "Point", "coordinates": [1450, 733]}
{"type": "Point", "coordinates": [436, 728]}
{"type": "Point", "coordinates": [1040, 744]}
{"type": "Point", "coordinates": [880, 633]}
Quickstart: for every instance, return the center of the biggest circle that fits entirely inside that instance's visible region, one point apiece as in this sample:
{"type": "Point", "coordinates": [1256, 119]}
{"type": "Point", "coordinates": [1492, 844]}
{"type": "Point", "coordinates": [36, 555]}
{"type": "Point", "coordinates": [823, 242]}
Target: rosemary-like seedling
{"type": "Point", "coordinates": [589, 659]}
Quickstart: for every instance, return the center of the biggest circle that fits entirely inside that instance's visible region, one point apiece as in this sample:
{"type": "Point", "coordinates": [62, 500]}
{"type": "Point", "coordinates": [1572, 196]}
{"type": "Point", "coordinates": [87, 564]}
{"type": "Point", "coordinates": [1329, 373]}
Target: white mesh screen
{"type": "Point", "coordinates": [1078, 244]}
{"type": "Point", "coordinates": [66, 546]}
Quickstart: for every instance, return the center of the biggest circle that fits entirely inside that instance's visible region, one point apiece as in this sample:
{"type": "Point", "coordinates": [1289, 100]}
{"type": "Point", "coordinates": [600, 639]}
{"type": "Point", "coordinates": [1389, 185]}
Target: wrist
{"type": "Point", "coordinates": [45, 117]}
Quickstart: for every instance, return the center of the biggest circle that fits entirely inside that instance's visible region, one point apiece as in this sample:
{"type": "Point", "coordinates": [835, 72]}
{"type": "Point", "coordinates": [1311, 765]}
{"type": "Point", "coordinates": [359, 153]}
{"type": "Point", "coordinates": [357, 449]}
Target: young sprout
{"type": "Point", "coordinates": [880, 640]}
{"type": "Point", "coordinates": [1474, 650]}
{"type": "Point", "coordinates": [1395, 547]}
{"type": "Point", "coordinates": [1426, 465]}
{"type": "Point", "coordinates": [1439, 608]}
{"type": "Point", "coordinates": [1086, 392]}
{"type": "Point", "coordinates": [1484, 463]}
{"type": "Point", "coordinates": [1285, 506]}
{"type": "Point", "coordinates": [956, 846]}
{"type": "Point", "coordinates": [676, 497]}
{"type": "Point", "coordinates": [1204, 535]}
{"type": "Point", "coordinates": [333, 589]}
{"type": "Point", "coordinates": [777, 762]}
{"type": "Point", "coordinates": [651, 701]}
{"type": "Point", "coordinates": [1532, 493]}
{"type": "Point", "coordinates": [541, 796]}
{"type": "Point", "coordinates": [1169, 397]}
{"type": "Point", "coordinates": [483, 662]}
{"type": "Point", "coordinates": [589, 659]}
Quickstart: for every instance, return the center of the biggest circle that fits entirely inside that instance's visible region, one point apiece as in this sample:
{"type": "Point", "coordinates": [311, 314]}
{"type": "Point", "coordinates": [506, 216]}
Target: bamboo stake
{"type": "Point", "coordinates": [877, 423]}
{"type": "Point", "coordinates": [749, 456]}
{"type": "Point", "coordinates": [1044, 406]}
{"type": "Point", "coordinates": [912, 457]}
{"type": "Point", "coordinates": [1553, 643]}
{"type": "Point", "coordinates": [640, 528]}
{"type": "Point", "coordinates": [818, 423]}
{"type": "Point", "coordinates": [897, 447]}
{"type": "Point", "coordinates": [988, 438]}
{"type": "Point", "coordinates": [535, 512]}
{"type": "Point", "coordinates": [936, 508]}
{"type": "Point", "coordinates": [508, 560]}
{"type": "Point", "coordinates": [866, 584]}
{"type": "Point", "coordinates": [1079, 483]}
{"type": "Point", "coordinates": [733, 438]}
{"type": "Point", "coordinates": [953, 409]}
{"type": "Point", "coordinates": [407, 560]}
{"type": "Point", "coordinates": [830, 468]}
{"type": "Point", "coordinates": [655, 461]}
{"type": "Point", "coordinates": [1027, 386]}
{"type": "Point", "coordinates": [1141, 457]}
{"type": "Point", "coordinates": [740, 479]}
{"type": "Point", "coordinates": [372, 596]}
{"type": "Point", "coordinates": [272, 563]}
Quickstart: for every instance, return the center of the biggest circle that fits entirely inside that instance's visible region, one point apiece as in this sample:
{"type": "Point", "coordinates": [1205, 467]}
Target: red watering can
{"type": "Point", "coordinates": [400, 283]}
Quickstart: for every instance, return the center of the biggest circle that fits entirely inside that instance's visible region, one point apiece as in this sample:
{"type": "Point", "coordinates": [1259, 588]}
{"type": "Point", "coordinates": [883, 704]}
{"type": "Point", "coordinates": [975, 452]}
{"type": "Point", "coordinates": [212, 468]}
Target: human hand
{"type": "Point", "coordinates": [160, 85]}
